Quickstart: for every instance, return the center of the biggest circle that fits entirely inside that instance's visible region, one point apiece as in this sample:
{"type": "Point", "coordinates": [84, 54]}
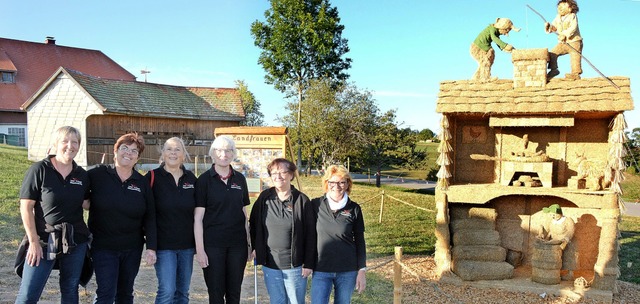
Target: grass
{"type": "Point", "coordinates": [401, 225]}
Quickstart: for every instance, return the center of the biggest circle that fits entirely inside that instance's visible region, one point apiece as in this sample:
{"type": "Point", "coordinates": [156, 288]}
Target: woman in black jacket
{"type": "Point", "coordinates": [278, 236]}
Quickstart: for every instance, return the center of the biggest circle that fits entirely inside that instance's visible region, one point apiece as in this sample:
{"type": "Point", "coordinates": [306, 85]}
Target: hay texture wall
{"type": "Point", "coordinates": [548, 133]}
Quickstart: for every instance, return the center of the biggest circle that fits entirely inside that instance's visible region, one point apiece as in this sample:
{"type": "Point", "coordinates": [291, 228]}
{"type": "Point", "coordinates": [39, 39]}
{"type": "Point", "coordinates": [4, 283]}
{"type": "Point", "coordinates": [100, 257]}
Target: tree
{"type": "Point", "coordinates": [251, 106]}
{"type": "Point", "coordinates": [426, 134]}
{"type": "Point", "coordinates": [633, 146]}
{"type": "Point", "coordinates": [301, 41]}
{"type": "Point", "coordinates": [336, 122]}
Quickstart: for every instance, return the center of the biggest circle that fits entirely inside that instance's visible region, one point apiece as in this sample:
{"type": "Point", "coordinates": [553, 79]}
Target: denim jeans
{"type": "Point", "coordinates": [323, 282]}
{"type": "Point", "coordinates": [116, 271]}
{"type": "Point", "coordinates": [35, 278]}
{"type": "Point", "coordinates": [173, 269]}
{"type": "Point", "coordinates": [286, 286]}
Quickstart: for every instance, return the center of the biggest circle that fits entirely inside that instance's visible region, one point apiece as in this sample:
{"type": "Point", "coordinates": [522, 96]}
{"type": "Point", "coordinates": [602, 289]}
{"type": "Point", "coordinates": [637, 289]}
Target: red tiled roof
{"type": "Point", "coordinates": [36, 62]}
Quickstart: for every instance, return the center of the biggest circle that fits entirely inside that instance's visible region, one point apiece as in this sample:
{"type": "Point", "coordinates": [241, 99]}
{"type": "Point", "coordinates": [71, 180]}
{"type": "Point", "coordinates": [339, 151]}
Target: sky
{"type": "Point", "coordinates": [401, 50]}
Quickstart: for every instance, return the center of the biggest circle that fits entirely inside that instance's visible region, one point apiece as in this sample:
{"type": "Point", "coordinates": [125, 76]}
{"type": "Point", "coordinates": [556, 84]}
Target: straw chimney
{"type": "Point", "coordinates": [529, 68]}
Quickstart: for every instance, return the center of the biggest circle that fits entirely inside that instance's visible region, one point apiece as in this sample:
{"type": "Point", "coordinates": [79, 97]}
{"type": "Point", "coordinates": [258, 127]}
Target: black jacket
{"type": "Point", "coordinates": [259, 235]}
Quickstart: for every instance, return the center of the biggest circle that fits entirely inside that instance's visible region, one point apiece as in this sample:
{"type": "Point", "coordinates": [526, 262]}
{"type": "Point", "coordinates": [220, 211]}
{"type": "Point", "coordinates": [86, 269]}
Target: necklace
{"type": "Point", "coordinates": [224, 178]}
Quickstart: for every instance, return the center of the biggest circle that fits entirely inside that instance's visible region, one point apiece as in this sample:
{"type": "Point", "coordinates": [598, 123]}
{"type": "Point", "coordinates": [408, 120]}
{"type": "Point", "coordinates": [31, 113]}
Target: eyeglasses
{"type": "Point", "coordinates": [220, 151]}
{"type": "Point", "coordinates": [281, 173]}
{"type": "Point", "coordinates": [126, 149]}
{"type": "Point", "coordinates": [341, 183]}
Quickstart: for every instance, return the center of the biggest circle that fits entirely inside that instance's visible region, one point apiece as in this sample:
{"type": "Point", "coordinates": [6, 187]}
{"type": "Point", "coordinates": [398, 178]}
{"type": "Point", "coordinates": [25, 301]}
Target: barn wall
{"type": "Point", "coordinates": [103, 130]}
{"type": "Point", "coordinates": [61, 104]}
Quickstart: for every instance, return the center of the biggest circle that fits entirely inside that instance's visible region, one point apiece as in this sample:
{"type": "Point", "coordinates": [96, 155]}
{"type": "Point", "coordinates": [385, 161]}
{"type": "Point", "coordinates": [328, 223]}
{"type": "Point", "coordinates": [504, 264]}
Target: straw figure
{"type": "Point", "coordinates": [569, 39]}
{"type": "Point", "coordinates": [558, 231]}
{"type": "Point", "coordinates": [482, 51]}
{"type": "Point", "coordinates": [596, 172]}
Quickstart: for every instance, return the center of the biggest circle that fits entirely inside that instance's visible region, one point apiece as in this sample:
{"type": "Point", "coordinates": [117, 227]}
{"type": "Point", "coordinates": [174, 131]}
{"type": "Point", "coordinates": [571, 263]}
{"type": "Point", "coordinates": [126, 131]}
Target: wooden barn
{"type": "Point", "coordinates": [511, 148]}
{"type": "Point", "coordinates": [104, 109]}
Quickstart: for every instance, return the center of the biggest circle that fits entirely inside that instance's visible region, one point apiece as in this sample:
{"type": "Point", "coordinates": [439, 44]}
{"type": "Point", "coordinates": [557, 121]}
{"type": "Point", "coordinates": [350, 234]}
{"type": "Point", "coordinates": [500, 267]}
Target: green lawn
{"type": "Point", "coordinates": [401, 225]}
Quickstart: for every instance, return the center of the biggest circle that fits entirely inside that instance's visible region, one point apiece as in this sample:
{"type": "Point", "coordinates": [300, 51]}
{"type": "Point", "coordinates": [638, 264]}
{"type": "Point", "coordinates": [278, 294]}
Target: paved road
{"type": "Point", "coordinates": [394, 180]}
{"type": "Point", "coordinates": [633, 209]}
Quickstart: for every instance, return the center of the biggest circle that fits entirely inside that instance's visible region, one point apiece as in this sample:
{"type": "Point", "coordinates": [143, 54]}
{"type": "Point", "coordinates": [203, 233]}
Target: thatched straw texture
{"type": "Point", "coordinates": [558, 96]}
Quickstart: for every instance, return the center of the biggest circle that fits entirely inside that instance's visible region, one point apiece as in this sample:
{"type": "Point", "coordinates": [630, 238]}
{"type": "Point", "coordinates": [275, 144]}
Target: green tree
{"type": "Point", "coordinates": [336, 123]}
{"type": "Point", "coordinates": [251, 106]}
{"type": "Point", "coordinates": [301, 41]}
{"type": "Point", "coordinates": [633, 145]}
{"type": "Point", "coordinates": [426, 134]}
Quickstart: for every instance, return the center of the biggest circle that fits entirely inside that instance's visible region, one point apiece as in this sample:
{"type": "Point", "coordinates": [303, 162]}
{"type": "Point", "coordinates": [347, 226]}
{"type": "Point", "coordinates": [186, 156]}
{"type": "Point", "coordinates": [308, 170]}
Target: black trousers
{"type": "Point", "coordinates": [225, 272]}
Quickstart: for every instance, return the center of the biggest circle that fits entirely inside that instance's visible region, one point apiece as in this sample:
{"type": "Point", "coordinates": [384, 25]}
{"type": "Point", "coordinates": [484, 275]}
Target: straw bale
{"type": "Point", "coordinates": [543, 253]}
{"type": "Point", "coordinates": [549, 265]}
{"type": "Point", "coordinates": [476, 270]}
{"type": "Point", "coordinates": [476, 237]}
{"type": "Point", "coordinates": [607, 282]}
{"type": "Point", "coordinates": [545, 276]}
{"type": "Point", "coordinates": [486, 253]}
{"type": "Point", "coordinates": [512, 232]}
{"type": "Point", "coordinates": [473, 223]}
{"type": "Point", "coordinates": [473, 212]}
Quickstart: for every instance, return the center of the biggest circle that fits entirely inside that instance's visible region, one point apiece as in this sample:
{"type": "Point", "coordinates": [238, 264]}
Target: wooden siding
{"type": "Point", "coordinates": [102, 132]}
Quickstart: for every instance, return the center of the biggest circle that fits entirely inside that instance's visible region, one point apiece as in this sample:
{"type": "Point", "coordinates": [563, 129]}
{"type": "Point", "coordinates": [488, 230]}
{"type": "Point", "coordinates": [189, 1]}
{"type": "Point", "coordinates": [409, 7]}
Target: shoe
{"type": "Point", "coordinates": [572, 76]}
{"type": "Point", "coordinates": [553, 73]}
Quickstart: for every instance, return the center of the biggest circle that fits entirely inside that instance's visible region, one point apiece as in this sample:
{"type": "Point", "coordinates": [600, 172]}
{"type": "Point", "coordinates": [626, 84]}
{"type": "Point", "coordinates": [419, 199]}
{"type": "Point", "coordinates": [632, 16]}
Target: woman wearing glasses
{"type": "Point", "coordinates": [220, 224]}
{"type": "Point", "coordinates": [340, 253]}
{"type": "Point", "coordinates": [278, 236]}
{"type": "Point", "coordinates": [122, 219]}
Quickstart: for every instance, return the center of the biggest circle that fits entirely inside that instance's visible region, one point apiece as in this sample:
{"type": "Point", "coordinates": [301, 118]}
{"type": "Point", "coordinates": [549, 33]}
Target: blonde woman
{"type": "Point", "coordinates": [174, 193]}
{"type": "Point", "coordinates": [340, 262]}
{"type": "Point", "coordinates": [52, 194]}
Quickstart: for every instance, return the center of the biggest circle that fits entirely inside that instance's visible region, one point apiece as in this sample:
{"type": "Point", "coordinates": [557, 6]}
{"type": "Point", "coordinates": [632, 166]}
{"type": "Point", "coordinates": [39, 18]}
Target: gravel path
{"type": "Point", "coordinates": [419, 286]}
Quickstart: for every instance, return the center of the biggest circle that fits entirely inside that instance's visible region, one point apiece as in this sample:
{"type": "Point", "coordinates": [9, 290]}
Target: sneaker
{"type": "Point", "coordinates": [553, 73]}
{"type": "Point", "coordinates": [572, 76]}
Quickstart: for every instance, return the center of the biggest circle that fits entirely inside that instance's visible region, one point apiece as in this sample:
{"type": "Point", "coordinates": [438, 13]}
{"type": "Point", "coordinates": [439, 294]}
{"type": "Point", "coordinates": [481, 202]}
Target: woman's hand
{"type": "Point", "coordinates": [202, 258]}
{"type": "Point", "coordinates": [361, 281]}
{"type": "Point", "coordinates": [150, 257]}
{"type": "Point", "coordinates": [306, 272]}
{"type": "Point", "coordinates": [34, 254]}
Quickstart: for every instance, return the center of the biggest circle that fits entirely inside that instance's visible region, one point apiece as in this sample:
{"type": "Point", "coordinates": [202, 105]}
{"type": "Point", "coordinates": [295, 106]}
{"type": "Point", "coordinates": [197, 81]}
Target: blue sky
{"type": "Point", "coordinates": [401, 50]}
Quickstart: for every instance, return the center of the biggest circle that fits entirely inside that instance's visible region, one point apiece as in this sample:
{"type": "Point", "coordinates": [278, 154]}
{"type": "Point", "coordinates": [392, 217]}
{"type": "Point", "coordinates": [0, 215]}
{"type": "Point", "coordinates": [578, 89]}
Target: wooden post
{"type": "Point", "coordinates": [381, 207]}
{"type": "Point", "coordinates": [195, 163]}
{"type": "Point", "coordinates": [397, 276]}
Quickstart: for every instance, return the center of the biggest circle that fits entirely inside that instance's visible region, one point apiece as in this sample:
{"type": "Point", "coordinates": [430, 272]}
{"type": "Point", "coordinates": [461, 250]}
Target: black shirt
{"type": "Point", "coordinates": [58, 200]}
{"type": "Point", "coordinates": [174, 208]}
{"type": "Point", "coordinates": [340, 236]}
{"type": "Point", "coordinates": [122, 214]}
{"type": "Point", "coordinates": [224, 220]}
{"type": "Point", "coordinates": [279, 223]}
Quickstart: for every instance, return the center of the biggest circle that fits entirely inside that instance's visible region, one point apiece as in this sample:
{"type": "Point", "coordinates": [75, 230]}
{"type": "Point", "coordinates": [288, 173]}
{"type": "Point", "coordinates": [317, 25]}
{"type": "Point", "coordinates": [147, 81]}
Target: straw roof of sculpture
{"type": "Point", "coordinates": [559, 96]}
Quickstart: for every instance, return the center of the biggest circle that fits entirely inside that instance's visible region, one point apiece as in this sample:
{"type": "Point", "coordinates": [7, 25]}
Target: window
{"type": "Point", "coordinates": [8, 77]}
{"type": "Point", "coordinates": [20, 133]}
